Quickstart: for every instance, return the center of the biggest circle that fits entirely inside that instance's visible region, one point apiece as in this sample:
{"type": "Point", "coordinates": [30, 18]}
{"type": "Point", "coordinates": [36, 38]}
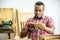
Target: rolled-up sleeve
{"type": "Point", "coordinates": [50, 22]}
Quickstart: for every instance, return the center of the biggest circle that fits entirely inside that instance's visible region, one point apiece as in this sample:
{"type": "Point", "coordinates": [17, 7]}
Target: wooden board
{"type": "Point", "coordinates": [6, 14]}
{"type": "Point", "coordinates": [50, 37]}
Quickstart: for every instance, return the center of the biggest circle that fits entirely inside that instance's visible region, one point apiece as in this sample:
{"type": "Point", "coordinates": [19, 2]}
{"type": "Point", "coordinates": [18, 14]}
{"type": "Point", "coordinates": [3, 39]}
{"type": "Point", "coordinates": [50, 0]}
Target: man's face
{"type": "Point", "coordinates": [39, 9]}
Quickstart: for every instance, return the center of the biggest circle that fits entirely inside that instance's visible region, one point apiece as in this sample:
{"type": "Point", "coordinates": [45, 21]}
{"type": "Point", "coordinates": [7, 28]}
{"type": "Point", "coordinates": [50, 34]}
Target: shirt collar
{"type": "Point", "coordinates": [39, 18]}
{"type": "Point", "coordinates": [43, 16]}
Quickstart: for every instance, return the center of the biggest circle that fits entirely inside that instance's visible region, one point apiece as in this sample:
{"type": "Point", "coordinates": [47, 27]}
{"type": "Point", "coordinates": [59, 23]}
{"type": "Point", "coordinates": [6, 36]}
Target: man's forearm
{"type": "Point", "coordinates": [49, 30]}
{"type": "Point", "coordinates": [24, 33]}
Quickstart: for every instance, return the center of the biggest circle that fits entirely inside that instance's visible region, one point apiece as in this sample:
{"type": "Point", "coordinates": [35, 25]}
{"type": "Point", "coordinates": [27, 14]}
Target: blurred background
{"type": "Point", "coordinates": [52, 8]}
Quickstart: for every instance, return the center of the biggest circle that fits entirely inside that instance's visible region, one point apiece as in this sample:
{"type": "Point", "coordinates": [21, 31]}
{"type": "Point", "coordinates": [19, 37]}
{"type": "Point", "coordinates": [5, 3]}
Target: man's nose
{"type": "Point", "coordinates": [38, 12]}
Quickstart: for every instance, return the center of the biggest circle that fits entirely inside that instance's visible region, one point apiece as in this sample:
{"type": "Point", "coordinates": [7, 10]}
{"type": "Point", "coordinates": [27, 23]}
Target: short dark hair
{"type": "Point", "coordinates": [39, 3]}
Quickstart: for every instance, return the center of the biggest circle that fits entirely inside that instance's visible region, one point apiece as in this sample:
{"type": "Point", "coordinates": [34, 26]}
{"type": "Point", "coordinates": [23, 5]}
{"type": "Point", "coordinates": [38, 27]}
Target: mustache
{"type": "Point", "coordinates": [38, 17]}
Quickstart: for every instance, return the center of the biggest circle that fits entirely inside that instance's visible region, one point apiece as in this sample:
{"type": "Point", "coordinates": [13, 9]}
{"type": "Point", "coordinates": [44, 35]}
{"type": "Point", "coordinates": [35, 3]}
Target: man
{"type": "Point", "coordinates": [44, 23]}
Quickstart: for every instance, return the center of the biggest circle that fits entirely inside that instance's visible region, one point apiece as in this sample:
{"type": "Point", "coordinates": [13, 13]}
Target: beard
{"type": "Point", "coordinates": [38, 16]}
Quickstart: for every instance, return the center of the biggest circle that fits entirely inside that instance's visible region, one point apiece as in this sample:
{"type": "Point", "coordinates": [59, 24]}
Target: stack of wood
{"type": "Point", "coordinates": [50, 37]}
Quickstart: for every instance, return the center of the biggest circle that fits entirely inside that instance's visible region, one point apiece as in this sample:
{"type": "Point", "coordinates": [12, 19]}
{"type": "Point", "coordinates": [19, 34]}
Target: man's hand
{"type": "Point", "coordinates": [31, 26]}
{"type": "Point", "coordinates": [40, 25]}
{"type": "Point", "coordinates": [23, 33]}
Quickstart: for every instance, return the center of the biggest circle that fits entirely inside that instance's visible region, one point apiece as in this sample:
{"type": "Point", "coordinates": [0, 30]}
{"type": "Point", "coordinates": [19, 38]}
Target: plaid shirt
{"type": "Point", "coordinates": [45, 20]}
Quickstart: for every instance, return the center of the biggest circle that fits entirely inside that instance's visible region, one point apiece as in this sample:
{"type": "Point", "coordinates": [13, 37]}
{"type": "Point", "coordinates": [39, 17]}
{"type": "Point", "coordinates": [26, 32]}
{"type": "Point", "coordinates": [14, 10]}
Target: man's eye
{"type": "Point", "coordinates": [40, 10]}
{"type": "Point", "coordinates": [36, 10]}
